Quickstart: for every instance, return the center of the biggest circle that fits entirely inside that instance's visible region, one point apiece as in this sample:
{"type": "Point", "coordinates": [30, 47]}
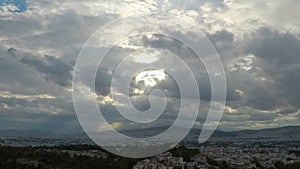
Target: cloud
{"type": "Point", "coordinates": [280, 49]}
{"type": "Point", "coordinates": [258, 42]}
{"type": "Point", "coordinates": [280, 55]}
{"type": "Point", "coordinates": [55, 69]}
{"type": "Point", "coordinates": [19, 78]}
{"type": "Point", "coordinates": [244, 17]}
{"type": "Point", "coordinates": [37, 112]}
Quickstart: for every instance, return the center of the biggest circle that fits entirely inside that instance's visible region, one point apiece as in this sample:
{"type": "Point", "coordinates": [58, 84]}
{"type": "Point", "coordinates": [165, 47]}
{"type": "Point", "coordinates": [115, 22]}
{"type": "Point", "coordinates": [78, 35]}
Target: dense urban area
{"type": "Point", "coordinates": [211, 155]}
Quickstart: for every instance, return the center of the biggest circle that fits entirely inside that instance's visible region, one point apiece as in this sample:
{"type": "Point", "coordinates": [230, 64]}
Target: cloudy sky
{"type": "Point", "coordinates": [257, 41]}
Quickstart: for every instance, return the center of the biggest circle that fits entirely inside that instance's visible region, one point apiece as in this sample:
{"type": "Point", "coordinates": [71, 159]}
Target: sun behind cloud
{"type": "Point", "coordinates": [151, 77]}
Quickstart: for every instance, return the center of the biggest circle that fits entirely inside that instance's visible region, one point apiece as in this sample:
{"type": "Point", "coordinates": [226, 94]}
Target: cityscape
{"type": "Point", "coordinates": [218, 155]}
{"type": "Point", "coordinates": [222, 151]}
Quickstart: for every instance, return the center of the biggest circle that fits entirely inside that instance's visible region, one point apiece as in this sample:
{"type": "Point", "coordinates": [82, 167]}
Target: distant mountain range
{"type": "Point", "coordinates": [289, 133]}
{"type": "Point", "coordinates": [27, 133]}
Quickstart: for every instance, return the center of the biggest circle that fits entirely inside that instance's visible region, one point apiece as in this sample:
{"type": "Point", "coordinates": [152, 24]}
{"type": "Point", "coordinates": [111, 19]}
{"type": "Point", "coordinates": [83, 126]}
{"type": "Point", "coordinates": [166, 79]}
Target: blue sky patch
{"type": "Point", "coordinates": [21, 4]}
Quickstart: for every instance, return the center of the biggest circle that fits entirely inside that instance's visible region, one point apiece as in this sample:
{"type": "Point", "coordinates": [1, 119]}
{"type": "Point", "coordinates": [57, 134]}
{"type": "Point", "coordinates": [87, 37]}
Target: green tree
{"type": "Point", "coordinates": [279, 165]}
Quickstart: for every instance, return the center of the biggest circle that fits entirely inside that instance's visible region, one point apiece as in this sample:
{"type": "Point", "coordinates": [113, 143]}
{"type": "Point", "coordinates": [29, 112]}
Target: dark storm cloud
{"type": "Point", "coordinates": [279, 49]}
{"type": "Point", "coordinates": [19, 78]}
{"type": "Point", "coordinates": [281, 55]}
{"type": "Point", "coordinates": [193, 61]}
{"type": "Point", "coordinates": [269, 88]}
{"type": "Point", "coordinates": [288, 85]}
{"type": "Point", "coordinates": [103, 82]}
{"type": "Point", "coordinates": [41, 112]}
{"type": "Point", "coordinates": [54, 69]}
{"type": "Point", "coordinates": [225, 44]}
{"type": "Point", "coordinates": [27, 100]}
{"type": "Point", "coordinates": [256, 93]}
{"type": "Point", "coordinates": [222, 38]}
{"type": "Point", "coordinates": [277, 59]}
{"type": "Point", "coordinates": [29, 119]}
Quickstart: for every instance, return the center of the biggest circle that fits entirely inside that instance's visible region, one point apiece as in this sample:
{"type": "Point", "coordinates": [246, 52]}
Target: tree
{"type": "Point", "coordinates": [279, 165]}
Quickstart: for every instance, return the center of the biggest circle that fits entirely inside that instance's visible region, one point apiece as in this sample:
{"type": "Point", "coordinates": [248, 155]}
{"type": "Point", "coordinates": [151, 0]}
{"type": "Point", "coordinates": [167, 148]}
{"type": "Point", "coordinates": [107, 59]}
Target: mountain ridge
{"type": "Point", "coordinates": [247, 133]}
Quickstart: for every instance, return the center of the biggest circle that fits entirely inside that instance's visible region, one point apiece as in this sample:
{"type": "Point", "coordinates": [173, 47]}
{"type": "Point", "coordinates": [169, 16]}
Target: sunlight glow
{"type": "Point", "coordinates": [151, 77]}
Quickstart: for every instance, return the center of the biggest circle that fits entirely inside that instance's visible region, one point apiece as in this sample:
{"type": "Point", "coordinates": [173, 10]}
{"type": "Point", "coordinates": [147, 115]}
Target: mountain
{"type": "Point", "coordinates": [26, 133]}
{"type": "Point", "coordinates": [289, 133]}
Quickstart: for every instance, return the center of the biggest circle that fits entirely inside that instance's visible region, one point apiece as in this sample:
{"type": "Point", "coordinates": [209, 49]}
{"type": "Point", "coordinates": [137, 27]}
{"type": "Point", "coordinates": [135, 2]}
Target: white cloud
{"type": "Point", "coordinates": [60, 28]}
{"type": "Point", "coordinates": [243, 17]}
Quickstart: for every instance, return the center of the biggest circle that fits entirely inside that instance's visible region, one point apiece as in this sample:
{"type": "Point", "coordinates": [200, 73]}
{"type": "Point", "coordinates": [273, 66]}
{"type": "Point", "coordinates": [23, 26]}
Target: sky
{"type": "Point", "coordinates": [258, 43]}
{"type": "Point", "coordinates": [17, 5]}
